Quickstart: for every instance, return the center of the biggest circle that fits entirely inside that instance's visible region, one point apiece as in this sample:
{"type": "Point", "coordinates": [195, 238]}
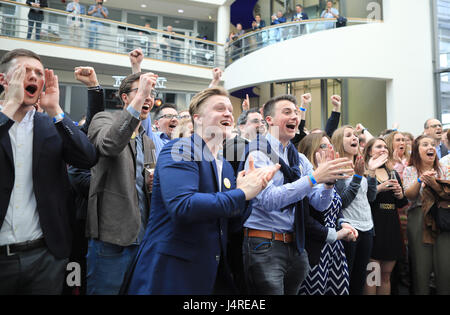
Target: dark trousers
{"type": "Point", "coordinates": [31, 23]}
{"type": "Point", "coordinates": [358, 256]}
{"type": "Point", "coordinates": [273, 267]}
{"type": "Point", "coordinates": [32, 272]}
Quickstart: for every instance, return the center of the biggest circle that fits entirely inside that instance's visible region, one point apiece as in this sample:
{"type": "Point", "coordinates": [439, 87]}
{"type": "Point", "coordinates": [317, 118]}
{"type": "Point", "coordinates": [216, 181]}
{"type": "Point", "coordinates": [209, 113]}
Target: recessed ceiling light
{"type": "Point", "coordinates": [180, 11]}
{"type": "Point", "coordinates": [143, 5]}
{"type": "Point", "coordinates": [210, 17]}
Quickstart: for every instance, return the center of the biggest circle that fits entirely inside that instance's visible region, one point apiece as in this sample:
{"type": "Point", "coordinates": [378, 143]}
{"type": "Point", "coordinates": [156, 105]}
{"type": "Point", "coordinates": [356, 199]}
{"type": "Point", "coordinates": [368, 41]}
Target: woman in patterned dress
{"type": "Point", "coordinates": [330, 276]}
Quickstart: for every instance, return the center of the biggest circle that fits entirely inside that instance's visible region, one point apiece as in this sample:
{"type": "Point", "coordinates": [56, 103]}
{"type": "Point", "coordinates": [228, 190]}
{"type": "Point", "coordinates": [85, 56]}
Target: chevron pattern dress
{"type": "Point", "coordinates": [330, 276]}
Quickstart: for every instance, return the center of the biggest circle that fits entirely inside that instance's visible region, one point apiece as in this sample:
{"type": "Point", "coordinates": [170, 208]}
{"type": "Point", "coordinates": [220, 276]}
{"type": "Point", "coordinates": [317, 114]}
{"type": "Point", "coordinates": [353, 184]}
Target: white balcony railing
{"type": "Point", "coordinates": [250, 42]}
{"type": "Point", "coordinates": [107, 35]}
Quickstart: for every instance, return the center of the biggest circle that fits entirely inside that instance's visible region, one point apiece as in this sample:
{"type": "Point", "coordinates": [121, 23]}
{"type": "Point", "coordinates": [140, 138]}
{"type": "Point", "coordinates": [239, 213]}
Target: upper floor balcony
{"type": "Point", "coordinates": [255, 40]}
{"type": "Point", "coordinates": [62, 28]}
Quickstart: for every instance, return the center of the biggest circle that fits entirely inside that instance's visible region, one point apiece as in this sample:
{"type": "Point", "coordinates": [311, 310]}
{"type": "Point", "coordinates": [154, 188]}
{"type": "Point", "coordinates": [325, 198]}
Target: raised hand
{"type": "Point", "coordinates": [217, 74]}
{"type": "Point", "coordinates": [336, 102]}
{"type": "Point", "coordinates": [246, 103]}
{"type": "Point", "coordinates": [86, 75]}
{"type": "Point", "coordinates": [136, 57]}
{"type": "Point", "coordinates": [50, 98]}
{"type": "Point", "coordinates": [305, 99]}
{"type": "Point", "coordinates": [376, 162]}
{"type": "Point", "coordinates": [14, 93]}
{"type": "Point", "coordinates": [330, 171]}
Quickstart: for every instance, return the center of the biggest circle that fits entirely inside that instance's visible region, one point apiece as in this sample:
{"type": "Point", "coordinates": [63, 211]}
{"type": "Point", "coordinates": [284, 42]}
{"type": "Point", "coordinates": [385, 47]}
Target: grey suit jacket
{"type": "Point", "coordinates": [113, 214]}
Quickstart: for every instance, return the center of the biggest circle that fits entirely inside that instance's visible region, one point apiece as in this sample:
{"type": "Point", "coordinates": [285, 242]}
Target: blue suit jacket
{"type": "Point", "coordinates": [186, 236]}
{"type": "Point", "coordinates": [54, 145]}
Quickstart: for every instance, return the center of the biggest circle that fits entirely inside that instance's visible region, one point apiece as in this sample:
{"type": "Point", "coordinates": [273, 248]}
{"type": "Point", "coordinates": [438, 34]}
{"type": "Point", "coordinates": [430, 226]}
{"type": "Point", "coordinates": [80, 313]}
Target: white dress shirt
{"type": "Point", "coordinates": [22, 220]}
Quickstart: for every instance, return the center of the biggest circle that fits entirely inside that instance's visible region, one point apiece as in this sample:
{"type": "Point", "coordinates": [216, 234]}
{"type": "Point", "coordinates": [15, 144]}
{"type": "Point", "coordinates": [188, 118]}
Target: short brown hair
{"type": "Point", "coordinates": [270, 105]}
{"type": "Point", "coordinates": [125, 86]}
{"type": "Point", "coordinates": [5, 62]}
{"type": "Point", "coordinates": [202, 96]}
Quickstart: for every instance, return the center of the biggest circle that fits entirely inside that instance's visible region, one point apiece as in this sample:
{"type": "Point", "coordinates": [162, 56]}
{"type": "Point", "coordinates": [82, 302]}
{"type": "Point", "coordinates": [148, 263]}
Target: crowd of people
{"type": "Point", "coordinates": [173, 202]}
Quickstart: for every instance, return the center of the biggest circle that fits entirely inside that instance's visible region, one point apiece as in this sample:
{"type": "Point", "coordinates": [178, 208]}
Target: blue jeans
{"type": "Point", "coordinates": [273, 267]}
{"type": "Point", "coordinates": [107, 265]}
{"type": "Point", "coordinates": [31, 24]}
{"type": "Point", "coordinates": [358, 256]}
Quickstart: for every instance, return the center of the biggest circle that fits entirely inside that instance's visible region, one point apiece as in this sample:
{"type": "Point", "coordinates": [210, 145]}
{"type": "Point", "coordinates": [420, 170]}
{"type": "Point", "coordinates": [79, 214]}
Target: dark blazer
{"type": "Point", "coordinates": [36, 14]}
{"type": "Point", "coordinates": [186, 236]}
{"type": "Point", "coordinates": [54, 145]}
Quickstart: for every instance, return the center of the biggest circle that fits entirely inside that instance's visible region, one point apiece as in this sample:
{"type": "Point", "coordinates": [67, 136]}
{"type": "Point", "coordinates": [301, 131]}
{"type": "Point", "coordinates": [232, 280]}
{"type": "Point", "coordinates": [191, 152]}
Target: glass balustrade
{"type": "Point", "coordinates": [250, 42]}
{"type": "Point", "coordinates": [63, 28]}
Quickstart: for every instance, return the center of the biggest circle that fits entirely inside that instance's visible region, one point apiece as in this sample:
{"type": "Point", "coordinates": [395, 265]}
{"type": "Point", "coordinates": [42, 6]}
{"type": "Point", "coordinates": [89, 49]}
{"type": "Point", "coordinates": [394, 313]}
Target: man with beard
{"type": "Point", "coordinates": [119, 201]}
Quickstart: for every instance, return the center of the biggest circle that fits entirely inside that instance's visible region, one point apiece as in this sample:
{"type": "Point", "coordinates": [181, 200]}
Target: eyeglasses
{"type": "Point", "coordinates": [184, 116]}
{"type": "Point", "coordinates": [170, 116]}
{"type": "Point", "coordinates": [255, 121]}
{"type": "Point", "coordinates": [153, 92]}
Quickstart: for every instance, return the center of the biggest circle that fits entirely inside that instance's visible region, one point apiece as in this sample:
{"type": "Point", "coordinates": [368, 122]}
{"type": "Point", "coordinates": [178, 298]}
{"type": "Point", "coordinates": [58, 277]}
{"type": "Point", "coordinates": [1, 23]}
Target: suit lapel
{"type": "Point", "coordinates": [6, 144]}
{"type": "Point", "coordinates": [40, 133]}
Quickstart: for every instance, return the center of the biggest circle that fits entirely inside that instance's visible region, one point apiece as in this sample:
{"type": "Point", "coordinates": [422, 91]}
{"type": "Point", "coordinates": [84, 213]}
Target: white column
{"type": "Point", "coordinates": [223, 23]}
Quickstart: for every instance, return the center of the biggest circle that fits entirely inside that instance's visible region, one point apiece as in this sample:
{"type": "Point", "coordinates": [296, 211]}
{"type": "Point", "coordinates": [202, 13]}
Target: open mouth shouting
{"type": "Point", "coordinates": [226, 123]}
{"type": "Point", "coordinates": [431, 153]}
{"type": "Point", "coordinates": [31, 90]}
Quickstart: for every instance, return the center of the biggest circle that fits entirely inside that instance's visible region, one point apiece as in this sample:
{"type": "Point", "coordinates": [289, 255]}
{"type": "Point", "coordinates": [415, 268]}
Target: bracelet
{"type": "Point", "coordinates": [95, 88]}
{"type": "Point", "coordinates": [358, 176]}
{"type": "Point", "coordinates": [313, 180]}
{"type": "Point", "coordinates": [418, 180]}
{"type": "Point", "coordinates": [302, 109]}
{"type": "Point", "coordinates": [58, 118]}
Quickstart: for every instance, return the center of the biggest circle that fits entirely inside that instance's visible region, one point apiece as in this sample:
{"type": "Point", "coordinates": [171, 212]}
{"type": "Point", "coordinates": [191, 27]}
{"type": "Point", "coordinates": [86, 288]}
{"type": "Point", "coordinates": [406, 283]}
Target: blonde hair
{"type": "Point", "coordinates": [202, 96]}
{"type": "Point", "coordinates": [337, 140]}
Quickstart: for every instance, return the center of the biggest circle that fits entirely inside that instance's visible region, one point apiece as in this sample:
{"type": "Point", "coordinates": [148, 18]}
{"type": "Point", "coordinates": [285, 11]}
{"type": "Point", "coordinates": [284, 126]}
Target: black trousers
{"type": "Point", "coordinates": [32, 272]}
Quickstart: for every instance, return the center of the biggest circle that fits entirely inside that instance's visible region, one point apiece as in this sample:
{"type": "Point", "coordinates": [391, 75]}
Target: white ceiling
{"type": "Point", "coordinates": [193, 9]}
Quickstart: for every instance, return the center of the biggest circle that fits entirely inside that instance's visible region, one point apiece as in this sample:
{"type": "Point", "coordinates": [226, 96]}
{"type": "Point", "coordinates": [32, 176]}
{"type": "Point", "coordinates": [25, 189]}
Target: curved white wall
{"type": "Point", "coordinates": [398, 50]}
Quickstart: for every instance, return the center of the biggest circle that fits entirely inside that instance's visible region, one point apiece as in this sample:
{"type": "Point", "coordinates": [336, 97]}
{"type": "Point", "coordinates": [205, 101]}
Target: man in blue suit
{"type": "Point", "coordinates": [195, 196]}
{"type": "Point", "coordinates": [35, 203]}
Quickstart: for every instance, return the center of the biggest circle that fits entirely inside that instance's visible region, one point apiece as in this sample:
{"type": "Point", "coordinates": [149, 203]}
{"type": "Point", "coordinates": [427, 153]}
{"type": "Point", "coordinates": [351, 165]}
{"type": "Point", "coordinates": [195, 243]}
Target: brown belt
{"type": "Point", "coordinates": [282, 237]}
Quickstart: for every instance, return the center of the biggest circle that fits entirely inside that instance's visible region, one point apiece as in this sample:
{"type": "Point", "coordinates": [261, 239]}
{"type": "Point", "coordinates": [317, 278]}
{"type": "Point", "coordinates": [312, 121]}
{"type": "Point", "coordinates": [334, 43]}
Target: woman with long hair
{"type": "Point", "coordinates": [396, 143]}
{"type": "Point", "coordinates": [330, 276]}
{"type": "Point", "coordinates": [422, 171]}
{"type": "Point", "coordinates": [356, 193]}
{"type": "Point", "coordinates": [387, 243]}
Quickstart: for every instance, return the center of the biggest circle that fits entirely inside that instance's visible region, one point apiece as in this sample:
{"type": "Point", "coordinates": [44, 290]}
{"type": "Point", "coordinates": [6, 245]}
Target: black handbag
{"type": "Point", "coordinates": [441, 215]}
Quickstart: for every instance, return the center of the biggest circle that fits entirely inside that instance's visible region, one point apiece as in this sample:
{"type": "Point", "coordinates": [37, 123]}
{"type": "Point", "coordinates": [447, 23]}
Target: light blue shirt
{"type": "Point", "coordinates": [98, 13]}
{"type": "Point", "coordinates": [76, 7]}
{"type": "Point", "coordinates": [266, 207]}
